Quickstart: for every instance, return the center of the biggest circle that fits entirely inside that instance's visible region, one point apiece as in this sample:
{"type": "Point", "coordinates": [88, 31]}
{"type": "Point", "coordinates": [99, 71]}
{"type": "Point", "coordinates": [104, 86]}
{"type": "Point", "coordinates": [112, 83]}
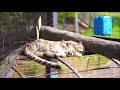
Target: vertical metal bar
{"type": "Point", "coordinates": [76, 23]}
{"type": "Point", "coordinates": [55, 19]}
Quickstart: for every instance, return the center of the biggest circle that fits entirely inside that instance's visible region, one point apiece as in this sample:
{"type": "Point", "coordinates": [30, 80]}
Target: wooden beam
{"type": "Point", "coordinates": [18, 71]}
{"type": "Point", "coordinates": [70, 67]}
{"type": "Point", "coordinates": [110, 49]}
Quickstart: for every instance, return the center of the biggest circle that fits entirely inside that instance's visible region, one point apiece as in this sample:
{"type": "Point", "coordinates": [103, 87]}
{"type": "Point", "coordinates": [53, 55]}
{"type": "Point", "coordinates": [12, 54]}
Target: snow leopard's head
{"type": "Point", "coordinates": [75, 49]}
{"type": "Point", "coordinates": [31, 46]}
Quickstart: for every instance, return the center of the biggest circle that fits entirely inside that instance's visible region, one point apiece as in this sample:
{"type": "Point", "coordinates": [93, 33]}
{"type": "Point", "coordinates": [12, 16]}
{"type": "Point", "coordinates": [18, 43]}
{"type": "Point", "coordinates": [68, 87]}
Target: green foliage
{"type": "Point", "coordinates": [31, 67]}
{"type": "Point", "coordinates": [61, 15]}
{"type": "Point", "coordinates": [68, 14]}
{"type": "Point", "coordinates": [115, 25]}
{"type": "Point", "coordinates": [71, 14]}
{"type": "Point", "coordinates": [80, 63]}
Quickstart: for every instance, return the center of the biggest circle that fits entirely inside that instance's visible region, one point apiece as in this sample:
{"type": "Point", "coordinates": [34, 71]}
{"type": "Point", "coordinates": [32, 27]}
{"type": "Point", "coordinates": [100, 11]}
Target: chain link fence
{"type": "Point", "coordinates": [17, 28]}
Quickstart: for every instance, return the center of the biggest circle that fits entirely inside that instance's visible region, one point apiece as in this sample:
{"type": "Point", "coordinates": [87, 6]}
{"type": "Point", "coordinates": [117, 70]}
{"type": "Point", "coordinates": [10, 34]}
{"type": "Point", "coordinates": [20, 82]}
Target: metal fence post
{"type": "Point", "coordinates": [76, 23]}
{"type": "Point", "coordinates": [55, 19]}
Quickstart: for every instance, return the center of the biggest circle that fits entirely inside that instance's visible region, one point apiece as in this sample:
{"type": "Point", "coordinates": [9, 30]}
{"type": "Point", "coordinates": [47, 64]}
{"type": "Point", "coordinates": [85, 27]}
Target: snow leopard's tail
{"type": "Point", "coordinates": [40, 60]}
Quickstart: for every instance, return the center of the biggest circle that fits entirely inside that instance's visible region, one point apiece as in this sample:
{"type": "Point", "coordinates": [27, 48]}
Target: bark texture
{"type": "Point", "coordinates": [110, 49]}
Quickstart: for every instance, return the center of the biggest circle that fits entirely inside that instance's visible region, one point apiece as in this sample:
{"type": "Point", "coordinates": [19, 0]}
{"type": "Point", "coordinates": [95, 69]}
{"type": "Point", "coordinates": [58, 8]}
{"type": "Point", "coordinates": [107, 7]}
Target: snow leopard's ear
{"type": "Point", "coordinates": [63, 41]}
{"type": "Point", "coordinates": [80, 42]}
{"type": "Point", "coordinates": [26, 44]}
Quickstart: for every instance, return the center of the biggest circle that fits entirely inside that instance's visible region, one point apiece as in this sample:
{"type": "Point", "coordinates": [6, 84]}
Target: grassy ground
{"type": "Point", "coordinates": [115, 26]}
{"type": "Point", "coordinates": [31, 67]}
{"type": "Point", "coordinates": [115, 23]}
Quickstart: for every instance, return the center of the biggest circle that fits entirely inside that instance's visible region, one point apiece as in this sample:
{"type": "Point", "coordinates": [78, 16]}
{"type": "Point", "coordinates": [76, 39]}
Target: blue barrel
{"type": "Point", "coordinates": [102, 25]}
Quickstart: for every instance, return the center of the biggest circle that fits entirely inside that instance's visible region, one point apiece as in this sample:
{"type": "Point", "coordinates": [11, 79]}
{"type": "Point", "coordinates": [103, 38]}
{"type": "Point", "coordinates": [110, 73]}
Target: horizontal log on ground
{"type": "Point", "coordinates": [110, 49]}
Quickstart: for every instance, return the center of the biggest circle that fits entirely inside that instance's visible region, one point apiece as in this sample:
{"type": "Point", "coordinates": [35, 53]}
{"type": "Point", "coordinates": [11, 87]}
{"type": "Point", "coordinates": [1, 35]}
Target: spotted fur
{"type": "Point", "coordinates": [37, 49]}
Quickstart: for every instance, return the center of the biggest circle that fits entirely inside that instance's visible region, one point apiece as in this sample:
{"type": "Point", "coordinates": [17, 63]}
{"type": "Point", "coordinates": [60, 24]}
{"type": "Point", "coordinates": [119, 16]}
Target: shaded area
{"type": "Point", "coordinates": [16, 29]}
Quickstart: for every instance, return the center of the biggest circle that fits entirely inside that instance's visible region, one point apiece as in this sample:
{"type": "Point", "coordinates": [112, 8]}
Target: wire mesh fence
{"type": "Point", "coordinates": [66, 20]}
{"type": "Point", "coordinates": [91, 66]}
{"type": "Point", "coordinates": [17, 28]}
{"type": "Point", "coordinates": [85, 26]}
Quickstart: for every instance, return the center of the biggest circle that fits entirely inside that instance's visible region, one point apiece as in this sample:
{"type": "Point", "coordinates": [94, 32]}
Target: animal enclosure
{"type": "Point", "coordinates": [18, 28]}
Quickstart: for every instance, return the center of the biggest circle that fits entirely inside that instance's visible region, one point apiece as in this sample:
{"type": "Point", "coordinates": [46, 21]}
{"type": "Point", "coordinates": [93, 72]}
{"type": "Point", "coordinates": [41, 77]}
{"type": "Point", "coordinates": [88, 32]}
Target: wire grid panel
{"type": "Point", "coordinates": [17, 28]}
{"type": "Point", "coordinates": [66, 21]}
{"type": "Point", "coordinates": [89, 66]}
{"type": "Point", "coordinates": [30, 69]}
{"type": "Point", "coordinates": [82, 65]}
{"type": "Point", "coordinates": [20, 29]}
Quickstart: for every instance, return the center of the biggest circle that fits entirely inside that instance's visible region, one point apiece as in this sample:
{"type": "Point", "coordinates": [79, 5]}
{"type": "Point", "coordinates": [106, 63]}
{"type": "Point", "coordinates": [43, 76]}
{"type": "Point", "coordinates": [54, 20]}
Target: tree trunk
{"type": "Point", "coordinates": [110, 49]}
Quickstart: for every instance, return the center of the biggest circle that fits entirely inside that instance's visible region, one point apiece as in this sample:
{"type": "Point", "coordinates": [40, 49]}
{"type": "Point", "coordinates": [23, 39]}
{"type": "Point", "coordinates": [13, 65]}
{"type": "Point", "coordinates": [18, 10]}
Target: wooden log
{"type": "Point", "coordinates": [110, 49]}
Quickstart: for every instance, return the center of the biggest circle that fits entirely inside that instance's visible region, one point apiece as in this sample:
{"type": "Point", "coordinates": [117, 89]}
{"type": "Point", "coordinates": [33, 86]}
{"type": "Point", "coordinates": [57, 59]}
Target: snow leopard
{"type": "Point", "coordinates": [37, 49]}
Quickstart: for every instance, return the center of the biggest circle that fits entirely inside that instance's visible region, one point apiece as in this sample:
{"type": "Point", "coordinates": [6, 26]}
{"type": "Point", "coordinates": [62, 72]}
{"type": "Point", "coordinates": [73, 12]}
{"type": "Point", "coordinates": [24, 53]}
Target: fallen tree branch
{"type": "Point", "coordinates": [110, 49]}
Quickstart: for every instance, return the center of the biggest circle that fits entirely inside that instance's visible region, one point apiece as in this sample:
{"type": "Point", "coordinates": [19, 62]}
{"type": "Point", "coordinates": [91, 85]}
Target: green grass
{"type": "Point", "coordinates": [115, 33]}
{"type": "Point", "coordinates": [80, 63]}
{"type": "Point", "coordinates": [31, 67]}
{"type": "Point", "coordinates": [115, 25]}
